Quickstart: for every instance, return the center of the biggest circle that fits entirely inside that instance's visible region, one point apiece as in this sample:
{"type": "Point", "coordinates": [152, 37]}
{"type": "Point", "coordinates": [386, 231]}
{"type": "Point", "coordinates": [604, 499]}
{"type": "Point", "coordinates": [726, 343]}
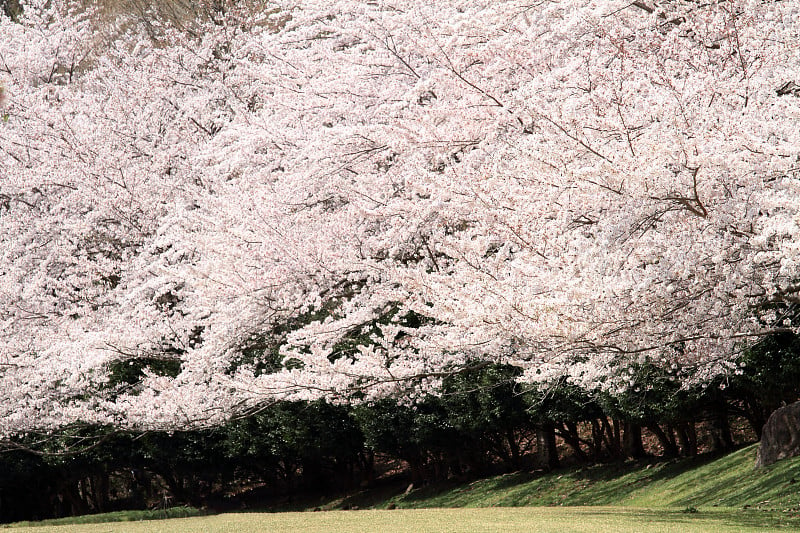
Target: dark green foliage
{"type": "Point", "coordinates": [261, 353]}
{"type": "Point", "coordinates": [89, 469]}
{"type": "Point", "coordinates": [768, 377]}
{"type": "Point", "coordinates": [560, 401]}
{"type": "Point", "coordinates": [365, 335]}
{"type": "Point", "coordinates": [486, 407]}
{"type": "Point", "coordinates": [24, 480]}
{"type": "Point", "coordinates": [317, 442]}
{"type": "Point", "coordinates": [131, 371]}
{"type": "Point", "coordinates": [478, 422]}
{"type": "Point", "coordinates": [394, 429]}
{"type": "Point", "coordinates": [654, 393]}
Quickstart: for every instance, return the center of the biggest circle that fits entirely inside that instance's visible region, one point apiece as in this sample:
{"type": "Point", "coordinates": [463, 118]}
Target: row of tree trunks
{"type": "Point", "coordinates": [613, 439]}
{"type": "Point", "coordinates": [599, 439]}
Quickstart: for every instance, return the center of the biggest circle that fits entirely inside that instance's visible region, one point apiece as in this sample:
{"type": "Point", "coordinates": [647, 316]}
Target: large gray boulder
{"type": "Point", "coordinates": [781, 436]}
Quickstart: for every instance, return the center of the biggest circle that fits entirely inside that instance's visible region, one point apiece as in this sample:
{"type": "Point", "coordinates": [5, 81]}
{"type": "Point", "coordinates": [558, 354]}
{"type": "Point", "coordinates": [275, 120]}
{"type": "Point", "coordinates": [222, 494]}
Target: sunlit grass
{"type": "Point", "coordinates": [541, 519]}
{"type": "Point", "coordinates": [730, 481]}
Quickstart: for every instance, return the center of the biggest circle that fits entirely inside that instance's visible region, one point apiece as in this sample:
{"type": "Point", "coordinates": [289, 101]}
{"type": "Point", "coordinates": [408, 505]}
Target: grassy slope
{"type": "Point", "coordinates": [729, 481]}
{"type": "Point", "coordinates": [116, 516]}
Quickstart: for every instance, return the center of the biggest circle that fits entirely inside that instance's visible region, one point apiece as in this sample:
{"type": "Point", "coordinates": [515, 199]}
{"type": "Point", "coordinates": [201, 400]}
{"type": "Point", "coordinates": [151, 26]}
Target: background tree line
{"type": "Point", "coordinates": [481, 422]}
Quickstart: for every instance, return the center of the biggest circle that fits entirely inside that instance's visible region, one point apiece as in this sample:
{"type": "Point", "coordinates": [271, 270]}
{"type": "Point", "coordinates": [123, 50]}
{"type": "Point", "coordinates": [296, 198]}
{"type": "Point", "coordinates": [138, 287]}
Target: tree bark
{"type": "Point", "coordinates": [546, 447]}
{"type": "Point", "coordinates": [612, 437]}
{"type": "Point", "coordinates": [670, 449]}
{"type": "Point", "coordinates": [569, 432]}
{"type": "Point", "coordinates": [632, 440]}
{"type": "Point", "coordinates": [722, 440]}
{"type": "Point", "coordinates": [687, 438]}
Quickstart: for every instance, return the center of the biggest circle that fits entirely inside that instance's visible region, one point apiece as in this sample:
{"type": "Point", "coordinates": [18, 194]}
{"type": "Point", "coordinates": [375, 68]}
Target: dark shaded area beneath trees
{"type": "Point", "coordinates": [482, 423]}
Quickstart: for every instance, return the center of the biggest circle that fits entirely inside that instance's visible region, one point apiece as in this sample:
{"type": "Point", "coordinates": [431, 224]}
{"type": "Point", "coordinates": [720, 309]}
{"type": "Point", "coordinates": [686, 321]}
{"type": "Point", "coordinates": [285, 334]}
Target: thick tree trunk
{"type": "Point", "coordinates": [100, 486]}
{"type": "Point", "coordinates": [569, 432]}
{"type": "Point", "coordinates": [670, 449]}
{"type": "Point", "coordinates": [632, 440]}
{"type": "Point", "coordinates": [597, 440]}
{"type": "Point", "coordinates": [76, 501]}
{"type": "Point", "coordinates": [367, 466]}
{"type": "Point", "coordinates": [546, 449]}
{"type": "Point", "coordinates": [417, 471]}
{"type": "Point", "coordinates": [313, 474]}
{"type": "Point", "coordinates": [757, 422]}
{"type": "Point", "coordinates": [721, 438]}
{"type": "Point", "coordinates": [176, 493]}
{"type": "Point", "coordinates": [289, 475]}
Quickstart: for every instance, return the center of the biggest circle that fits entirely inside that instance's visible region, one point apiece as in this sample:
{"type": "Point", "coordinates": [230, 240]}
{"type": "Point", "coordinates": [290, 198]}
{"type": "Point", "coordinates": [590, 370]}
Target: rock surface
{"type": "Point", "coordinates": [781, 436]}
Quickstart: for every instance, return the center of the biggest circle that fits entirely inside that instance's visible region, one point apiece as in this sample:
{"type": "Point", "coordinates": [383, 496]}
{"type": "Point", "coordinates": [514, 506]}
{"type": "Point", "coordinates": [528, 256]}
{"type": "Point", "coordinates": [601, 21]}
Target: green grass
{"type": "Point", "coordinates": [507, 520]}
{"type": "Point", "coordinates": [117, 516]}
{"type": "Point", "coordinates": [702, 482]}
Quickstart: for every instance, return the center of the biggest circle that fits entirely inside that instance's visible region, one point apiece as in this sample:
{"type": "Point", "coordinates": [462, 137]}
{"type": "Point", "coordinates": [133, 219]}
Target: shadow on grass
{"type": "Point", "coordinates": [602, 484]}
{"type": "Point", "coordinates": [701, 481]}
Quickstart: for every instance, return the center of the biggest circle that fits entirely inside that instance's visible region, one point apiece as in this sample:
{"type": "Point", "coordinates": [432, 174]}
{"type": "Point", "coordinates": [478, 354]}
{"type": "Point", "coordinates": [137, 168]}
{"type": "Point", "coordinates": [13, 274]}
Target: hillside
{"type": "Point", "coordinates": [729, 481]}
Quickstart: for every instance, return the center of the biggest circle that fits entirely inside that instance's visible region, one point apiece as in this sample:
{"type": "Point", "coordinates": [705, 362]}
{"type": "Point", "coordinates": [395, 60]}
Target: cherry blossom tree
{"type": "Point", "coordinates": [373, 195]}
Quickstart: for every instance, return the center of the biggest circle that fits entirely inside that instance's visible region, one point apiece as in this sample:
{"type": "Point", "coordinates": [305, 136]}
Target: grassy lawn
{"type": "Point", "coordinates": [541, 519]}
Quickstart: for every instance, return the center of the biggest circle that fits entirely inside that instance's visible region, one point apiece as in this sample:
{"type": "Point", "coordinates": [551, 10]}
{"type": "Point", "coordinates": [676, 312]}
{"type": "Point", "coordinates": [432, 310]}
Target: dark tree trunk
{"type": "Point", "coordinates": [687, 438]}
{"type": "Point", "coordinates": [367, 465]}
{"type": "Point", "coordinates": [757, 423]}
{"type": "Point", "coordinates": [417, 471]}
{"type": "Point", "coordinates": [143, 486]}
{"type": "Point", "coordinates": [721, 439]}
{"type": "Point", "coordinates": [612, 437]}
{"type": "Point", "coordinates": [633, 440]}
{"type": "Point", "coordinates": [546, 449]}
{"type": "Point", "coordinates": [77, 504]}
{"type": "Point", "coordinates": [100, 486]}
{"type": "Point", "coordinates": [670, 449]}
{"type": "Point", "coordinates": [513, 446]}
{"type": "Point", "coordinates": [177, 492]}
{"type": "Point", "coordinates": [569, 432]}
{"type": "Point", "coordinates": [597, 440]}
{"type": "Point", "coordinates": [313, 473]}
{"type": "Point", "coordinates": [288, 471]}
{"type": "Point", "coordinates": [755, 414]}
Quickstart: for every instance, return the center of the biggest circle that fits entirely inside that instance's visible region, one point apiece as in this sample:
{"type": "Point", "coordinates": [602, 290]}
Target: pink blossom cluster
{"type": "Point", "coordinates": [382, 192]}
